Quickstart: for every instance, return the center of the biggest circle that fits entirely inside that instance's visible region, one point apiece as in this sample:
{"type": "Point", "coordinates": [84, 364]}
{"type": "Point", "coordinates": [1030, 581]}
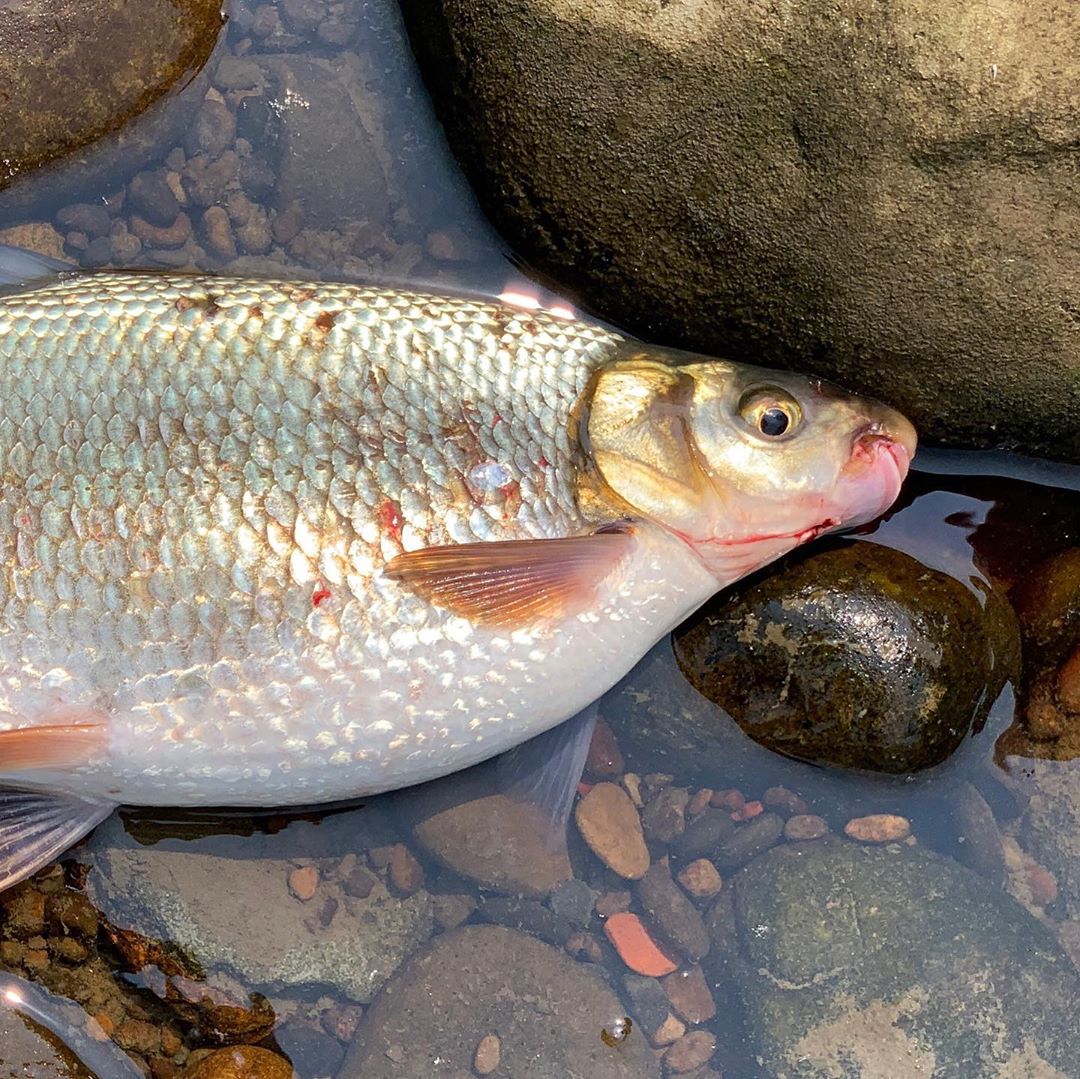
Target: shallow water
{"type": "Point", "coordinates": [279, 929]}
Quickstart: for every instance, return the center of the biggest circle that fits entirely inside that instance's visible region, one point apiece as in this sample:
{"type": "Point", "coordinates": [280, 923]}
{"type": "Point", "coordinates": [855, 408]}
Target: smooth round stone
{"type": "Point", "coordinates": [241, 1062]}
{"type": "Point", "coordinates": [610, 825]}
{"type": "Point", "coordinates": [547, 1009]}
{"type": "Point", "coordinates": [856, 655]}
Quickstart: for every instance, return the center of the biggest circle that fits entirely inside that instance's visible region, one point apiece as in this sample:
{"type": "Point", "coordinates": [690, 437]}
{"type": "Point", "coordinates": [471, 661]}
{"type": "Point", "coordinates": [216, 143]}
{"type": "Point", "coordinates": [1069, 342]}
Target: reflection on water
{"type": "Point", "coordinates": [315, 152]}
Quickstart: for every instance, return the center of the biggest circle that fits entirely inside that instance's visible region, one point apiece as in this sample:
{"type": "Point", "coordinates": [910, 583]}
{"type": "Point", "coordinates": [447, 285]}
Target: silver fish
{"type": "Point", "coordinates": [269, 543]}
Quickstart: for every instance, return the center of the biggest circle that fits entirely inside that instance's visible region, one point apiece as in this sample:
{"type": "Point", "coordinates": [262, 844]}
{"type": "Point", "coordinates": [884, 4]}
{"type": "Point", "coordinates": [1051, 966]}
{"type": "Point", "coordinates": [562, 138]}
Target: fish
{"type": "Point", "coordinates": [278, 543]}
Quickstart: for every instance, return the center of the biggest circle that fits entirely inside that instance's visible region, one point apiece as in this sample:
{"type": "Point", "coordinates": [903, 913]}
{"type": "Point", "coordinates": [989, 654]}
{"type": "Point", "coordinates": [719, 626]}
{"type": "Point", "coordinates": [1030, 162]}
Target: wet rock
{"type": "Point", "coordinates": [1049, 829]}
{"type": "Point", "coordinates": [690, 1052]}
{"type": "Point", "coordinates": [815, 175]}
{"type": "Point", "coordinates": [637, 947]}
{"type": "Point", "coordinates": [237, 73]}
{"type": "Point", "coordinates": [878, 828]}
{"type": "Point", "coordinates": [218, 232]}
{"type": "Point", "coordinates": [897, 694]}
{"type": "Point", "coordinates": [858, 957]}
{"type": "Point", "coordinates": [35, 236]}
{"type": "Point", "coordinates": [805, 826]}
{"type": "Point", "coordinates": [255, 926]}
{"type": "Point", "coordinates": [704, 835]}
{"type": "Point", "coordinates": [604, 758]}
{"type": "Point", "coordinates": [573, 900]}
{"type": "Point", "coordinates": [75, 73]}
{"type": "Point", "coordinates": [648, 1002]}
{"type": "Point", "coordinates": [700, 879]}
{"type": "Point", "coordinates": [528, 915]}
{"type": "Point", "coordinates": [1047, 605]}
{"type": "Point", "coordinates": [84, 217]}
{"type": "Point", "coordinates": [488, 1054]}
{"type": "Point", "coordinates": [688, 992]}
{"type": "Point", "coordinates": [674, 916]}
{"type": "Point", "coordinates": [664, 817]}
{"type": "Point", "coordinates": [322, 109]}
{"type": "Point", "coordinates": [750, 840]}
{"type": "Point", "coordinates": [213, 130]}
{"type": "Point", "coordinates": [979, 838]}
{"type": "Point", "coordinates": [548, 1011]}
{"type": "Point", "coordinates": [151, 196]}
{"type": "Point", "coordinates": [241, 1062]}
{"type": "Point", "coordinates": [497, 842]}
{"type": "Point", "coordinates": [610, 825]}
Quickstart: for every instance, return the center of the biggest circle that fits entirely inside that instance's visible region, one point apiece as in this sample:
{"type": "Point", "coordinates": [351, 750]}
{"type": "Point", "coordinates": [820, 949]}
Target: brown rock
{"type": "Point", "coordinates": [169, 237]}
{"type": "Point", "coordinates": [35, 236]}
{"type": "Point", "coordinates": [701, 879]}
{"type": "Point", "coordinates": [675, 917]}
{"type": "Point", "coordinates": [878, 828]}
{"type": "Point", "coordinates": [610, 825]}
{"type": "Point", "coordinates": [487, 1055]}
{"type": "Point", "coordinates": [610, 903]}
{"type": "Point", "coordinates": [604, 759]}
{"type": "Point", "coordinates": [669, 1031]}
{"type": "Point", "coordinates": [699, 802]}
{"type": "Point", "coordinates": [498, 842]}
{"type": "Point", "coordinates": [452, 910]}
{"type": "Point", "coordinates": [805, 826]}
{"type": "Point", "coordinates": [241, 1062]}
{"type": "Point", "coordinates": [138, 1036]}
{"type": "Point", "coordinates": [406, 874]}
{"type": "Point", "coordinates": [690, 1051]}
{"type": "Point", "coordinates": [218, 232]}
{"type": "Point", "coordinates": [689, 995]}
{"type": "Point", "coordinates": [664, 818]}
{"type": "Point", "coordinates": [303, 882]}
{"type": "Point", "coordinates": [785, 802]}
{"type": "Point", "coordinates": [25, 908]}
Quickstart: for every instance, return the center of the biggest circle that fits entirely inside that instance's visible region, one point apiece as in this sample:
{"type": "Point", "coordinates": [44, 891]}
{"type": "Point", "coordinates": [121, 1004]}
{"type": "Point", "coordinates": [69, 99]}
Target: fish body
{"type": "Point", "coordinates": [268, 543]}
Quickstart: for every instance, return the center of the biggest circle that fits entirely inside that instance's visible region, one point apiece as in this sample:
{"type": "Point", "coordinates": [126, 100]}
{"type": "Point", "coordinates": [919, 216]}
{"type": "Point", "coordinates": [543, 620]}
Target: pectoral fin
{"type": "Point", "coordinates": [514, 582]}
{"type": "Point", "coordinates": [37, 826]}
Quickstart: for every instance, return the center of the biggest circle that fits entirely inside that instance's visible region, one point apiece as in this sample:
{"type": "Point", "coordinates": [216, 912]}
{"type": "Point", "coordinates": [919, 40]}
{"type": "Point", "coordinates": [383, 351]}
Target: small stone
{"type": "Point", "coordinates": [303, 882]}
{"type": "Point", "coordinates": [1042, 884]}
{"type": "Point", "coordinates": [342, 1021]}
{"type": "Point", "coordinates": [805, 826]}
{"type": "Point", "coordinates": [75, 243]}
{"type": "Point", "coordinates": [174, 236]}
{"type": "Point", "coordinates": [255, 236]}
{"type": "Point", "coordinates": [664, 818]}
{"type": "Point", "coordinates": [218, 232]}
{"type": "Point", "coordinates": [206, 181]}
{"type": "Point", "coordinates": [704, 835]}
{"type": "Point", "coordinates": [236, 73]}
{"type": "Point", "coordinates": [71, 913]}
{"type": "Point", "coordinates": [36, 236]}
{"type": "Point", "coordinates": [677, 919]}
{"type": "Point", "coordinates": [878, 828]}
{"type": "Point", "coordinates": [610, 903]}
{"type": "Point", "coordinates": [730, 800]}
{"type": "Point", "coordinates": [604, 759]}
{"type": "Point", "coordinates": [488, 1052]}
{"type": "Point", "coordinates": [689, 995]}
{"type": "Point", "coordinates": [452, 910]}
{"type": "Point", "coordinates": [213, 131]}
{"type": "Point", "coordinates": [358, 883]}
{"type": "Point", "coordinates": [93, 219]}
{"type": "Point", "coordinates": [137, 1036]}
{"type": "Point", "coordinates": [750, 840]}
{"type": "Point", "coordinates": [748, 811]}
{"type": "Point", "coordinates": [25, 910]}
{"type": "Point", "coordinates": [11, 953]}
{"type": "Point", "coordinates": [699, 802]}
{"type": "Point", "coordinates": [785, 802]}
{"type": "Point", "coordinates": [631, 783]}
{"type": "Point", "coordinates": [610, 825]}
{"type": "Point", "coordinates": [669, 1031]}
{"type": "Point", "coordinates": [242, 1062]}
{"type": "Point", "coordinates": [648, 1003]}
{"type": "Point", "coordinates": [69, 949]}
{"type": "Point", "coordinates": [153, 198]}
{"type": "Point", "coordinates": [700, 879]}
{"type": "Point", "coordinates": [406, 874]}
{"type": "Point", "coordinates": [690, 1051]}
{"type": "Point", "coordinates": [636, 947]}
{"type": "Point", "coordinates": [379, 857]}
{"type": "Point", "coordinates": [36, 958]}
{"type": "Point", "coordinates": [450, 245]}
{"type": "Point", "coordinates": [98, 252]}
{"type": "Point", "coordinates": [1068, 684]}
{"type": "Point", "coordinates": [171, 1043]}
{"type": "Point", "coordinates": [573, 900]}
{"type": "Point", "coordinates": [125, 248]}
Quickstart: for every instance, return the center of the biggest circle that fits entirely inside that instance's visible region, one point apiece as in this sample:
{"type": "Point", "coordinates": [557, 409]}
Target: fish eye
{"type": "Point", "coordinates": [771, 413]}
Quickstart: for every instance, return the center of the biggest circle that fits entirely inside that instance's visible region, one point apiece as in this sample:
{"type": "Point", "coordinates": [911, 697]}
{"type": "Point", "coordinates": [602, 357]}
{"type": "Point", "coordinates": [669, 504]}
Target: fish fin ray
{"type": "Point", "coordinates": [38, 826]}
{"type": "Point", "coordinates": [53, 746]}
{"type": "Point", "coordinates": [23, 269]}
{"type": "Point", "coordinates": [513, 582]}
{"type": "Point", "coordinates": [544, 772]}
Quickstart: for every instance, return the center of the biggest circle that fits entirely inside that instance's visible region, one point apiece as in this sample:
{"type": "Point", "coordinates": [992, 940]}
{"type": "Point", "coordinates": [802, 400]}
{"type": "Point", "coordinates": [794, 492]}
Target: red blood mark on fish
{"type": "Point", "coordinates": [319, 596]}
{"type": "Point", "coordinates": [390, 519]}
{"type": "Point", "coordinates": [544, 462]}
{"type": "Point", "coordinates": [325, 320]}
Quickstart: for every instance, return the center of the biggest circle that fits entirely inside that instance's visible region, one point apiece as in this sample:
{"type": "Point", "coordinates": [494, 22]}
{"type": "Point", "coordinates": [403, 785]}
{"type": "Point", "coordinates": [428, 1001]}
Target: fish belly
{"type": "Point", "coordinates": [201, 480]}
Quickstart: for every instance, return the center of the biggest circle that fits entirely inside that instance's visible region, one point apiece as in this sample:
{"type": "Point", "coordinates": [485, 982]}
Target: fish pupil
{"type": "Point", "coordinates": [773, 422]}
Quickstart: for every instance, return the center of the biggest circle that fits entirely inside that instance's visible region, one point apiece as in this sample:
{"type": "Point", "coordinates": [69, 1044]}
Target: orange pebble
{"type": "Point", "coordinates": [583, 788]}
{"type": "Point", "coordinates": [751, 809]}
{"type": "Point", "coordinates": [636, 947]}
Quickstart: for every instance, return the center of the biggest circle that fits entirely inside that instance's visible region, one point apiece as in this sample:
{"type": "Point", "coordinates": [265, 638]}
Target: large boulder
{"type": "Point", "coordinates": [73, 73]}
{"type": "Point", "coordinates": [855, 959]}
{"type": "Point", "coordinates": [884, 194]}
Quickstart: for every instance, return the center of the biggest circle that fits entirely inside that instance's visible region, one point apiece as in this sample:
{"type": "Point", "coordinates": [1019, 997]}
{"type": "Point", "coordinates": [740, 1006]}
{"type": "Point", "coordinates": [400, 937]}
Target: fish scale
{"type": "Point", "coordinates": [202, 479]}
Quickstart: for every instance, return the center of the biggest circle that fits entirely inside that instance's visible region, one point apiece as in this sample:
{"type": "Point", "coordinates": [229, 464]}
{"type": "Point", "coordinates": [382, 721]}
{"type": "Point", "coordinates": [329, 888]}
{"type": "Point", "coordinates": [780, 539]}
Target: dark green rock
{"type": "Point", "coordinates": [862, 190]}
{"type": "Point", "coordinates": [856, 655]}
{"type": "Point", "coordinates": [867, 961]}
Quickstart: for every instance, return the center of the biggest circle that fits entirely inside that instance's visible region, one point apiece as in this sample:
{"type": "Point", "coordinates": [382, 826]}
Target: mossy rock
{"type": "Point", "coordinates": [866, 962]}
{"type": "Point", "coordinates": [857, 655]}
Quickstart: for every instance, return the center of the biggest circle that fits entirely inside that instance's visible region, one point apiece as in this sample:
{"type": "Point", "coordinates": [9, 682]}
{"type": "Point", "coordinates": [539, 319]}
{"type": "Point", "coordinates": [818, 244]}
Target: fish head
{"type": "Point", "coordinates": [742, 463]}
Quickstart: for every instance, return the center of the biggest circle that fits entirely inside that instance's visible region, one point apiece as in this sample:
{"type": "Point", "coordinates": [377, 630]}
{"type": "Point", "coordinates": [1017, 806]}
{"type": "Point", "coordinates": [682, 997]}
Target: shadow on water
{"type": "Point", "coordinates": [280, 928]}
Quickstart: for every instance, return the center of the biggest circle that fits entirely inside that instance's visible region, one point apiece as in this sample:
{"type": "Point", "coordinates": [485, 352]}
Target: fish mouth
{"type": "Point", "coordinates": [872, 477]}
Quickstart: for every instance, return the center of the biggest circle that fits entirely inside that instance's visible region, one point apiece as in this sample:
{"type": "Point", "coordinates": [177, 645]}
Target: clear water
{"type": "Point", "coordinates": [975, 516]}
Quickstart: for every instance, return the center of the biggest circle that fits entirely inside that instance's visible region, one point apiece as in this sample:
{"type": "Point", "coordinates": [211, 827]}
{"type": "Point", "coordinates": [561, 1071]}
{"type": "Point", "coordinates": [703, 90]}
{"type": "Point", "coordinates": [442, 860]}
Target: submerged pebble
{"type": "Point", "coordinates": [878, 828]}
{"type": "Point", "coordinates": [610, 825]}
{"type": "Point", "coordinates": [241, 1062]}
{"type": "Point", "coordinates": [636, 946]}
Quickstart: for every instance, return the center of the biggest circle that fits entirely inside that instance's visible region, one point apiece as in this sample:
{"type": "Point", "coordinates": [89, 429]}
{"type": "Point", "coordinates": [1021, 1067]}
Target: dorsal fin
{"type": "Point", "coordinates": [22, 269]}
